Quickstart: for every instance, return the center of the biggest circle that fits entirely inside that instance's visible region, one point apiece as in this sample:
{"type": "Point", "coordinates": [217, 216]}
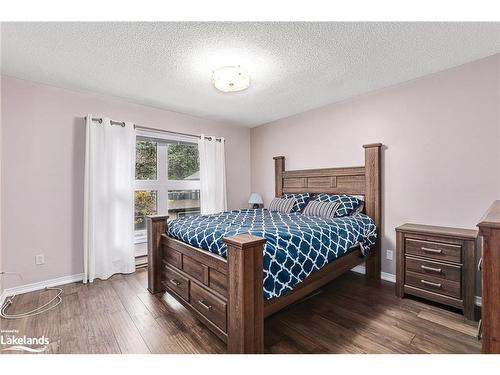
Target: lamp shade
{"type": "Point", "coordinates": [255, 198]}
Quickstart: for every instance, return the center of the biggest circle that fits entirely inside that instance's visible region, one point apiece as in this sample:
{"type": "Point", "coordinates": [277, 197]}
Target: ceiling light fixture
{"type": "Point", "coordinates": [231, 79]}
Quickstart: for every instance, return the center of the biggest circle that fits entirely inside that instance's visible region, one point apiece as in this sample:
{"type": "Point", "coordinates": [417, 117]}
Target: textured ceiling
{"type": "Point", "coordinates": [293, 66]}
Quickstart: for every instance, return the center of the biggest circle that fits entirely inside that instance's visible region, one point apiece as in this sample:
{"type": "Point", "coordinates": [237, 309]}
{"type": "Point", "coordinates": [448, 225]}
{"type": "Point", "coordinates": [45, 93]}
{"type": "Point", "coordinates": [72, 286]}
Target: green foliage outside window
{"type": "Point", "coordinates": [145, 204]}
{"type": "Point", "coordinates": [183, 162]}
{"type": "Point", "coordinates": [145, 160]}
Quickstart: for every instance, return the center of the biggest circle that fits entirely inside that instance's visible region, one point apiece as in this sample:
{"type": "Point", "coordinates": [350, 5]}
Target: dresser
{"type": "Point", "coordinates": [489, 229]}
{"type": "Point", "coordinates": [438, 264]}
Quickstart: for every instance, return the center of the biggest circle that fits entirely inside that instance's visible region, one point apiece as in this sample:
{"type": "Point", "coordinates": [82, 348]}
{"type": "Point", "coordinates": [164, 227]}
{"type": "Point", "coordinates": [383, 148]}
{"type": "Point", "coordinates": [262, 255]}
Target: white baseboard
{"type": "Point", "coordinates": [40, 285]}
{"type": "Point", "coordinates": [392, 278]}
{"type": "Point", "coordinates": [383, 275]}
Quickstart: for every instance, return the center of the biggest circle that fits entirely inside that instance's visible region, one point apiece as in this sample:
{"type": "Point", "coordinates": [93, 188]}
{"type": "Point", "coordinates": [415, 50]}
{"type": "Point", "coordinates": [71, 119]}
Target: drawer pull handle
{"type": "Point", "coordinates": [432, 269]}
{"type": "Point", "coordinates": [435, 251]}
{"type": "Point", "coordinates": [425, 282]}
{"type": "Point", "coordinates": [204, 304]}
{"type": "Point", "coordinates": [480, 264]}
{"type": "Point", "coordinates": [175, 282]}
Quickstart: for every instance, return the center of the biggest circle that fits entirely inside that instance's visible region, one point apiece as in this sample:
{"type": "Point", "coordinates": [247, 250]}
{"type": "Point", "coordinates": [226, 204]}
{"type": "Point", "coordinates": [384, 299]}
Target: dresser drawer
{"type": "Point", "coordinates": [433, 284]}
{"type": "Point", "coordinates": [209, 305]}
{"type": "Point", "coordinates": [177, 283]}
{"type": "Point", "coordinates": [436, 269]}
{"type": "Point", "coordinates": [434, 250]}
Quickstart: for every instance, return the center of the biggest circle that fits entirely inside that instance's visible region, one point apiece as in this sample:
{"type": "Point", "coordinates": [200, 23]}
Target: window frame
{"type": "Point", "coordinates": [162, 185]}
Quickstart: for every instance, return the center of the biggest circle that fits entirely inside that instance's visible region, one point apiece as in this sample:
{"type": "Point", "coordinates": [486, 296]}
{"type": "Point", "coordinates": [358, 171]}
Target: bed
{"type": "Point", "coordinates": [235, 268]}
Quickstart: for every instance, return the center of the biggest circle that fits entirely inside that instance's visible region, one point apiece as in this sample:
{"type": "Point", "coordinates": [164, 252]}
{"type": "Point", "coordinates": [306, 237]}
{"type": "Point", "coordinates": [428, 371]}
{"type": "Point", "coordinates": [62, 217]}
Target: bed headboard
{"type": "Point", "coordinates": [364, 180]}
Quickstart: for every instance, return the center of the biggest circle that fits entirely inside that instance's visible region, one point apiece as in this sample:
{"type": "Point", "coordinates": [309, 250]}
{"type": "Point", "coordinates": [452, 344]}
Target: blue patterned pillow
{"type": "Point", "coordinates": [301, 200]}
{"type": "Point", "coordinates": [348, 203]}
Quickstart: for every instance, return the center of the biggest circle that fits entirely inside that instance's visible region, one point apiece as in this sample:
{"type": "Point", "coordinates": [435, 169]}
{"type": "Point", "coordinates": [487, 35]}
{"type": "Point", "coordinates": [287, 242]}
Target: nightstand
{"type": "Point", "coordinates": [438, 264]}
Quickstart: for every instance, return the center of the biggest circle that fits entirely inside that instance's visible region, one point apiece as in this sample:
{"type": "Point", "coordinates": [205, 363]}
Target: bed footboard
{"type": "Point", "coordinates": [245, 294]}
{"type": "Point", "coordinates": [155, 225]}
{"type": "Point", "coordinates": [225, 294]}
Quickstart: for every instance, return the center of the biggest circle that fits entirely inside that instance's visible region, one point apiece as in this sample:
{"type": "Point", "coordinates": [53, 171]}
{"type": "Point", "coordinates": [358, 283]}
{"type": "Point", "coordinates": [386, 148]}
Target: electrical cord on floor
{"type": "Point", "coordinates": [39, 310]}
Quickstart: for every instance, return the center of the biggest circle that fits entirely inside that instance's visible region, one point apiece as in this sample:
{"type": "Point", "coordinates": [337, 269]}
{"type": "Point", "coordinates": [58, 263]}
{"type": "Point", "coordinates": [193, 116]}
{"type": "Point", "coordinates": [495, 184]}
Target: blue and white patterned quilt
{"type": "Point", "coordinates": [296, 246]}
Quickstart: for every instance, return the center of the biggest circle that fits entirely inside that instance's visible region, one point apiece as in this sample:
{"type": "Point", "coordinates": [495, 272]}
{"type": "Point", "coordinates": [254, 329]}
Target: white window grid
{"type": "Point", "coordinates": [162, 185]}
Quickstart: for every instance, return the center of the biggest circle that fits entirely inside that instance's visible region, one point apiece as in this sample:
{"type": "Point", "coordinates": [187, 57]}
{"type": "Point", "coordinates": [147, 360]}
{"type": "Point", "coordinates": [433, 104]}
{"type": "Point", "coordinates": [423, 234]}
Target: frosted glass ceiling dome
{"type": "Point", "coordinates": [231, 79]}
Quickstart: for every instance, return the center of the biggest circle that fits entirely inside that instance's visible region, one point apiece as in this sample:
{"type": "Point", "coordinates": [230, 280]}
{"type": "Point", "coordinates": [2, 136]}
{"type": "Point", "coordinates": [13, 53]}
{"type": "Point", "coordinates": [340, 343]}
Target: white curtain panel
{"type": "Point", "coordinates": [109, 199]}
{"type": "Point", "coordinates": [212, 175]}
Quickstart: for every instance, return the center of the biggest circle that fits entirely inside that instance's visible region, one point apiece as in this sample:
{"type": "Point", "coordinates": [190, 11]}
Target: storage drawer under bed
{"type": "Point", "coordinates": [212, 307]}
{"type": "Point", "coordinates": [176, 282]}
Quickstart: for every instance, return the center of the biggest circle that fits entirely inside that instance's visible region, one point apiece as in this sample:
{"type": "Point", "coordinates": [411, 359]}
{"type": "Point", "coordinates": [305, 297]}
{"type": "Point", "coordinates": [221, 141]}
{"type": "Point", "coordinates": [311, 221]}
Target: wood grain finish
{"type": "Point", "coordinates": [195, 269]}
{"type": "Point", "coordinates": [373, 205]}
{"type": "Point", "coordinates": [489, 229]}
{"type": "Point", "coordinates": [218, 282]}
{"type": "Point", "coordinates": [437, 263]}
{"type": "Point", "coordinates": [348, 316]}
{"type": "Point", "coordinates": [435, 269]}
{"type": "Point", "coordinates": [206, 276]}
{"type": "Point", "coordinates": [245, 294]}
{"type": "Point", "coordinates": [209, 305]}
{"type": "Point", "coordinates": [155, 228]}
{"type": "Point", "coordinates": [434, 250]}
{"type": "Point", "coordinates": [177, 283]}
{"type": "Point", "coordinates": [434, 284]}
{"type": "Point", "coordinates": [173, 258]}
{"type": "Point", "coordinates": [328, 180]}
{"type": "Point", "coordinates": [279, 169]}
{"type": "Point", "coordinates": [440, 231]}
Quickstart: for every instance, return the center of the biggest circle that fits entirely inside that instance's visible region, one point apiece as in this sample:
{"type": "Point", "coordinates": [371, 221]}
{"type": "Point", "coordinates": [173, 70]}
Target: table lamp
{"type": "Point", "coordinates": [255, 200]}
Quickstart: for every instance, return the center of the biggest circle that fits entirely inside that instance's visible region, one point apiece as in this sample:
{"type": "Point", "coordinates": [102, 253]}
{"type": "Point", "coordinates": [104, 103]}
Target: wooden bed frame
{"type": "Point", "coordinates": [227, 294]}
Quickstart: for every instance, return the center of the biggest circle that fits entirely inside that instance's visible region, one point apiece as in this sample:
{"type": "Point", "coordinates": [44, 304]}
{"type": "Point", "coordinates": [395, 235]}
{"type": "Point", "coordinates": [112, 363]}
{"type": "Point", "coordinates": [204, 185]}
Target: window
{"type": "Point", "coordinates": [167, 179]}
{"type": "Point", "coordinates": [145, 204]}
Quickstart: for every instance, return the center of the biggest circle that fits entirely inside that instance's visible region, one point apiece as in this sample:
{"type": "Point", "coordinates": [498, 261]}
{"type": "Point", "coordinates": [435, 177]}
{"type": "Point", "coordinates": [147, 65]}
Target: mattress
{"type": "Point", "coordinates": [297, 245]}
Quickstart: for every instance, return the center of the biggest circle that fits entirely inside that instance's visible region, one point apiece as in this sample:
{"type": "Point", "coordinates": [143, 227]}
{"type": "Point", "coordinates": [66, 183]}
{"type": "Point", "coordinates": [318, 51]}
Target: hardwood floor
{"type": "Point", "coordinates": [347, 316]}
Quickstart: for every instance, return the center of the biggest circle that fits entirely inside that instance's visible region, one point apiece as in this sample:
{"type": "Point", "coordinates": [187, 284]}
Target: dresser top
{"type": "Point", "coordinates": [438, 231]}
{"type": "Point", "coordinates": [491, 218]}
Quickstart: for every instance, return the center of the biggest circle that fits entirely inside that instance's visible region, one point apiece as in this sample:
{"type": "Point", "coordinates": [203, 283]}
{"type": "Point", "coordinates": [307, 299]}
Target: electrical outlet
{"type": "Point", "coordinates": [39, 259]}
{"type": "Point", "coordinates": [388, 254]}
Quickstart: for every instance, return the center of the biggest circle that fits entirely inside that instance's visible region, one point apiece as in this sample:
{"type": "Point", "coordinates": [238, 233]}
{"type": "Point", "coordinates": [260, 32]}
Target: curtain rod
{"type": "Point", "coordinates": [121, 123]}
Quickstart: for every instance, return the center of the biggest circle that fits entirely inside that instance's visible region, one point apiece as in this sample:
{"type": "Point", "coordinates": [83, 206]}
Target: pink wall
{"type": "Point", "coordinates": [43, 151]}
{"type": "Point", "coordinates": [441, 162]}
